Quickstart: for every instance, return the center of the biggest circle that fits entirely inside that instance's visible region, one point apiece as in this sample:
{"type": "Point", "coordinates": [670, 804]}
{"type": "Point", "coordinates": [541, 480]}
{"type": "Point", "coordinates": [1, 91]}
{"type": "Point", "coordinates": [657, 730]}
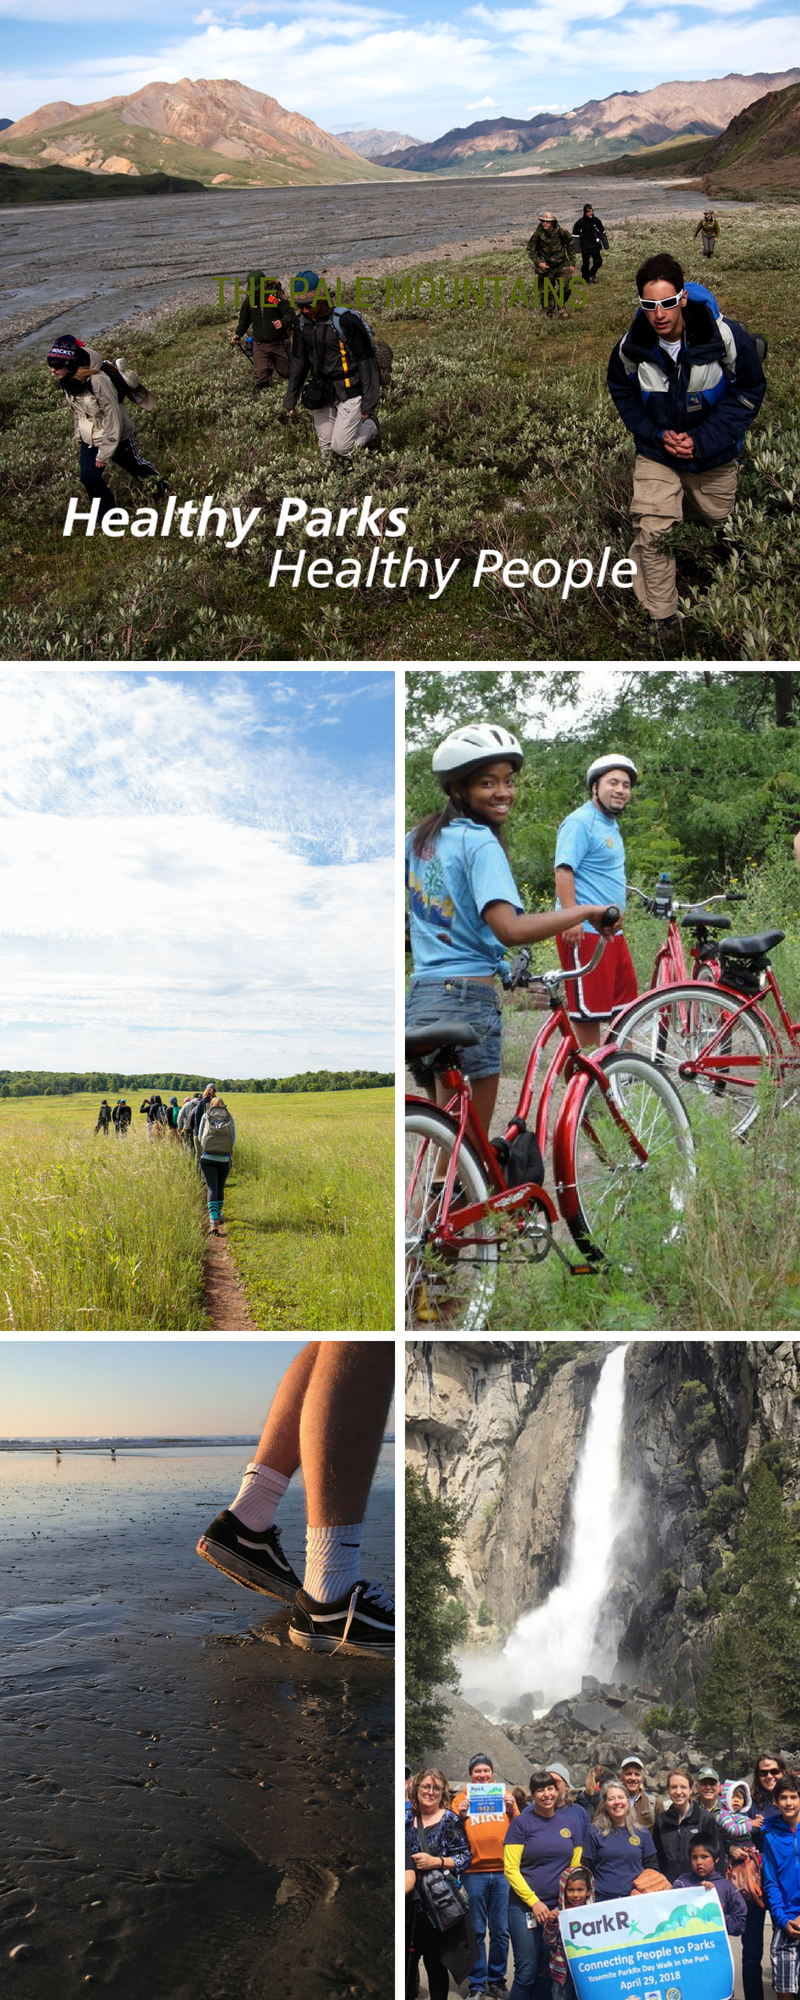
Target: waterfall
{"type": "Point", "coordinates": [567, 1636]}
{"type": "Point", "coordinates": [570, 1635]}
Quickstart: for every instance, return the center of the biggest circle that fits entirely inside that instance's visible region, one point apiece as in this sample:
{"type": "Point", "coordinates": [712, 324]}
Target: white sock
{"type": "Point", "coordinates": [259, 1495]}
{"type": "Point", "coordinates": [333, 1561]}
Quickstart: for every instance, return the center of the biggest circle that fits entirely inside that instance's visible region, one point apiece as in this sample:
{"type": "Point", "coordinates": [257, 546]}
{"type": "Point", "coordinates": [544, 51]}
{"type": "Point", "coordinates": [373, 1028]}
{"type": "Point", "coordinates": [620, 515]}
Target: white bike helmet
{"type": "Point", "coordinates": [464, 750]}
{"type": "Point", "coordinates": [614, 762]}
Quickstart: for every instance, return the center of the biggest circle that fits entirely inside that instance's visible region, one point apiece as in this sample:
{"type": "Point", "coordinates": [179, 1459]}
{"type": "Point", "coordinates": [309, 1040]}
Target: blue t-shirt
{"type": "Point", "coordinates": [450, 886]}
{"type": "Point", "coordinates": [590, 843]}
{"type": "Point", "coordinates": [547, 1847]}
{"type": "Point", "coordinates": [617, 1858]}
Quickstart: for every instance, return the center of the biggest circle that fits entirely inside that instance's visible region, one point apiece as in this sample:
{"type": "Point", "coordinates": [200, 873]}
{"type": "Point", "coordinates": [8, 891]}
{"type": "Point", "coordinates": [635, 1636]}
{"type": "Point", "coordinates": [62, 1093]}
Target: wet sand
{"type": "Point", "coordinates": [85, 267]}
{"type": "Point", "coordinates": [192, 1808]}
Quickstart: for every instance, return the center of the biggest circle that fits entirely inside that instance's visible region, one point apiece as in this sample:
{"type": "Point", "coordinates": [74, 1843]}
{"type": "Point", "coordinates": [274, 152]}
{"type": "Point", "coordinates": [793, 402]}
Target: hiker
{"type": "Point", "coordinates": [327, 1417]}
{"type": "Point", "coordinates": [156, 1117]}
{"type": "Point", "coordinates": [100, 424]}
{"type": "Point", "coordinates": [711, 230]}
{"type": "Point", "coordinates": [438, 1841]}
{"type": "Point", "coordinates": [216, 1138]}
{"type": "Point", "coordinates": [333, 353]}
{"type": "Point", "coordinates": [704, 1867]}
{"type": "Point", "coordinates": [642, 1802]}
{"type": "Point", "coordinates": [687, 384]}
{"type": "Point", "coordinates": [184, 1134]}
{"type": "Point", "coordinates": [485, 1882]}
{"type": "Point", "coordinates": [465, 907]}
{"type": "Point", "coordinates": [677, 1825]}
{"type": "Point", "coordinates": [537, 1846]}
{"type": "Point", "coordinates": [590, 862]}
{"type": "Point", "coordinates": [575, 1889]}
{"type": "Point", "coordinates": [590, 233]}
{"type": "Point", "coordinates": [195, 1118]}
{"type": "Point", "coordinates": [782, 1887]}
{"type": "Point", "coordinates": [103, 1118]}
{"type": "Point", "coordinates": [266, 313]}
{"type": "Point", "coordinates": [763, 1812]}
{"type": "Point", "coordinates": [551, 253]}
{"type": "Point", "coordinates": [616, 1848]}
{"type": "Point", "coordinates": [122, 1118]}
{"type": "Point", "coordinates": [172, 1117]}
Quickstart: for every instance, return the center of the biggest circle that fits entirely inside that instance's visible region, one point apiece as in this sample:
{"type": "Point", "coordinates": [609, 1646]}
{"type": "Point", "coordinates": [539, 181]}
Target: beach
{"type": "Point", "coordinates": [193, 1809]}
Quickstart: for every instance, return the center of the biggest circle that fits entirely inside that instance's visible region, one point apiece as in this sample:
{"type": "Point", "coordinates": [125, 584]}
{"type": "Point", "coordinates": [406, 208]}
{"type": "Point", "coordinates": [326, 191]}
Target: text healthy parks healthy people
{"type": "Point", "coordinates": [688, 384]}
{"type": "Point", "coordinates": [464, 903]}
{"type": "Point", "coordinates": [590, 861]}
{"type": "Point", "coordinates": [328, 1417]}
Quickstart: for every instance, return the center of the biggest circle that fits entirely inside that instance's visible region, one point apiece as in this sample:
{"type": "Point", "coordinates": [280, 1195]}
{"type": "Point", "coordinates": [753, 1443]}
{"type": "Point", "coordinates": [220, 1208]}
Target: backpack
{"type": "Point", "coordinates": [219, 1134]}
{"type": "Point", "coordinates": [701, 293]}
{"type": "Point", "coordinates": [382, 352]}
{"type": "Point", "coordinates": [157, 1115]}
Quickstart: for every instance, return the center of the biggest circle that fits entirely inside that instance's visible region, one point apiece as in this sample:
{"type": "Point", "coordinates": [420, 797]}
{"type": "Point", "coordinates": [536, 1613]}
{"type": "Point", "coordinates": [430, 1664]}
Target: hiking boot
{"type": "Point", "coordinates": [376, 443]}
{"type": "Point", "coordinates": [250, 1556]}
{"type": "Point", "coordinates": [162, 487]}
{"type": "Point", "coordinates": [361, 1622]}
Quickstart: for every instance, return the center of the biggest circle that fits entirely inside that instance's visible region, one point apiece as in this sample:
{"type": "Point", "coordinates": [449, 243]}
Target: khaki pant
{"type": "Point", "coordinates": [340, 427]}
{"type": "Point", "coordinates": [657, 504]}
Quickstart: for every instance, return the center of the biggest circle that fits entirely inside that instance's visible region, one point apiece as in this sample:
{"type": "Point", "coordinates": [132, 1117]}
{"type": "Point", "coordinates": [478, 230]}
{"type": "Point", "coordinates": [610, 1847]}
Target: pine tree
{"type": "Point", "coordinates": [431, 1528]}
{"type": "Point", "coordinates": [752, 1685]}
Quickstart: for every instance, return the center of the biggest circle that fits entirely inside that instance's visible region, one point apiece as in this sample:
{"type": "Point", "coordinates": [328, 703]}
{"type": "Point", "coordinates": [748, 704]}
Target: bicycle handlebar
{"type": "Point", "coordinates": [520, 969]}
{"type": "Point", "coordinates": [656, 905]}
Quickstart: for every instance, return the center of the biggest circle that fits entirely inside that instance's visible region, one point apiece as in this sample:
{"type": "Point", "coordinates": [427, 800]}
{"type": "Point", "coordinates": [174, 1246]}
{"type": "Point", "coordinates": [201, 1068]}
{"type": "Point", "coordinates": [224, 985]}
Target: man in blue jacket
{"type": "Point", "coordinates": [781, 1880]}
{"type": "Point", "coordinates": [688, 385]}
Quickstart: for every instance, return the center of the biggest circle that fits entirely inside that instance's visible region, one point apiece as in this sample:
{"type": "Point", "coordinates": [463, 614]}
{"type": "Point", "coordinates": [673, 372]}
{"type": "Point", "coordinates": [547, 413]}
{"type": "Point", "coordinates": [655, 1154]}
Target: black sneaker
{"type": "Point", "coordinates": [360, 1622]}
{"type": "Point", "coordinates": [250, 1556]}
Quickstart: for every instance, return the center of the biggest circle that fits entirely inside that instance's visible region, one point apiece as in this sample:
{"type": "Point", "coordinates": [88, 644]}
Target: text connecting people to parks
{"type": "Point", "coordinates": [328, 1418]}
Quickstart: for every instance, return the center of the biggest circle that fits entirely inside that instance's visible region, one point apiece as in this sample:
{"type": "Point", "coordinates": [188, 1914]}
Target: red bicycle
{"type": "Point", "coordinates": [670, 966]}
{"type": "Point", "coordinates": [621, 1148]}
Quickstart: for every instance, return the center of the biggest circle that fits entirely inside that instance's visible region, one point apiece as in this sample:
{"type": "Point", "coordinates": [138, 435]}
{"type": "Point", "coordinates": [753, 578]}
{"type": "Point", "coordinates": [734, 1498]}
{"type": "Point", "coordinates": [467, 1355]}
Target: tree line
{"type": "Point", "coordinates": [53, 1083]}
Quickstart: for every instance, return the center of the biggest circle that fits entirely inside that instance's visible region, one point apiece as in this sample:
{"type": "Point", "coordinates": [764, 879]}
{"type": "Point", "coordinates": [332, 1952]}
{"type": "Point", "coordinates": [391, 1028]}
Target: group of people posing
{"type": "Point", "coordinates": [555, 1849]}
{"type": "Point", "coordinates": [202, 1125]}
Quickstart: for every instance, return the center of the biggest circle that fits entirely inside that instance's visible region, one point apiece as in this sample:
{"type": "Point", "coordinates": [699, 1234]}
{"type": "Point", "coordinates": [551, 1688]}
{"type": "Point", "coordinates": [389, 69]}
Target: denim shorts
{"type": "Point", "coordinates": [469, 1000]}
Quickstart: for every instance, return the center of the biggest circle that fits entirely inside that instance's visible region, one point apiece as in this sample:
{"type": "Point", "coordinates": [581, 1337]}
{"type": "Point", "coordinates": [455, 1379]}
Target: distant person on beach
{"type": "Point", "coordinates": [103, 1118]}
{"type": "Point", "coordinates": [711, 231]}
{"type": "Point", "coordinates": [271, 320]}
{"type": "Point", "coordinates": [327, 1417]}
{"type": "Point", "coordinates": [122, 1118]}
{"type": "Point", "coordinates": [333, 354]}
{"type": "Point", "coordinates": [551, 254]}
{"type": "Point", "coordinates": [687, 384]}
{"type": "Point", "coordinates": [101, 425]}
{"type": "Point", "coordinates": [485, 1880]}
{"type": "Point", "coordinates": [216, 1139]}
{"type": "Point", "coordinates": [591, 236]}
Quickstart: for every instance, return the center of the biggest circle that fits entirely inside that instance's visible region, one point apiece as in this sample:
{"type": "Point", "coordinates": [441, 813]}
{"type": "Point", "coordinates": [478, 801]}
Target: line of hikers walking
{"type": "Point", "coordinates": [202, 1125]}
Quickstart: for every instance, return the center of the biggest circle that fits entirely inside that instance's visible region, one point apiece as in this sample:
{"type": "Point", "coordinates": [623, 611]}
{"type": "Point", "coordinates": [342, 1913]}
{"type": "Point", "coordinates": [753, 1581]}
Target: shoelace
{"type": "Point", "coordinates": [372, 1593]}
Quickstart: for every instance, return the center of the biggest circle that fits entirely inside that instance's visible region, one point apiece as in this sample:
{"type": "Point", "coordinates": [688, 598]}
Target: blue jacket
{"type": "Point", "coordinates": [781, 1873]}
{"type": "Point", "coordinates": [734, 1907]}
{"type": "Point", "coordinates": [714, 390]}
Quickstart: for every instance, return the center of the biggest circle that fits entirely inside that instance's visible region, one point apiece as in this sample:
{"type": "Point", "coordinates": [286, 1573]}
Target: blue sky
{"type": "Point", "coordinates": [130, 1388]}
{"type": "Point", "coordinates": [196, 870]}
{"type": "Point", "coordinates": [412, 67]}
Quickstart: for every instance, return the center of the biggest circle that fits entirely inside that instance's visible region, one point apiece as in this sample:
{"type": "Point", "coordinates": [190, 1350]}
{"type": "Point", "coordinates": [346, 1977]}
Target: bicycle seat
{"type": "Point", "coordinates": [697, 919]}
{"type": "Point", "coordinates": [448, 1034]}
{"type": "Point", "coordinates": [750, 947]}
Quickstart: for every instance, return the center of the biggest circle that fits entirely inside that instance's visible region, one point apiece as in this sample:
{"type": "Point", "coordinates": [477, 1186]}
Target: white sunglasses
{"type": "Point", "coordinates": [650, 305]}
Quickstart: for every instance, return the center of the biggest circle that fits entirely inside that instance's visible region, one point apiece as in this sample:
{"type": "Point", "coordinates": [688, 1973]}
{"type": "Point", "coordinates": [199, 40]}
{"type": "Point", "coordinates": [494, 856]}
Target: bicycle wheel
{"type": "Point", "coordinates": [452, 1286]}
{"type": "Point", "coordinates": [611, 1183]}
{"type": "Point", "coordinates": [674, 1027]}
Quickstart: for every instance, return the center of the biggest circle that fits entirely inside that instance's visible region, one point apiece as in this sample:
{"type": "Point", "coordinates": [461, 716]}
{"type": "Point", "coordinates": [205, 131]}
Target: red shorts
{"type": "Point", "coordinates": [611, 985]}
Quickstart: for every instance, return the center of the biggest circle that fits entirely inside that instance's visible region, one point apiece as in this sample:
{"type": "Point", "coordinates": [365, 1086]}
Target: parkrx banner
{"type": "Point", "coordinates": [671, 1945]}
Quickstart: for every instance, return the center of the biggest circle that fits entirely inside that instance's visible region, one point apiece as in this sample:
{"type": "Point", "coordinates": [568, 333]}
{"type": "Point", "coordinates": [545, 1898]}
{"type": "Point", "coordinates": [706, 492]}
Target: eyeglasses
{"type": "Point", "coordinates": [768, 1771]}
{"type": "Point", "coordinates": [656, 305]}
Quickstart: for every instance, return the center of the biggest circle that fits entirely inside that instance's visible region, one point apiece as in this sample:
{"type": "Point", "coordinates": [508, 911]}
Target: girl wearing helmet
{"type": "Point", "coordinates": [464, 903]}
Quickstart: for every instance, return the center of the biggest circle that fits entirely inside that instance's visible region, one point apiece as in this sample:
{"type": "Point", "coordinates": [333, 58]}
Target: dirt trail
{"type": "Point", "coordinates": [225, 1300]}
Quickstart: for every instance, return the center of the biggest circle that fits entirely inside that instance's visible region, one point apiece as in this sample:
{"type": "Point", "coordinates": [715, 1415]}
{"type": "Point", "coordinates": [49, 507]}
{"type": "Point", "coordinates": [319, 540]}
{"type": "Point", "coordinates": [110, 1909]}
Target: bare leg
{"type": "Point", "coordinates": [341, 1427]}
{"type": "Point", "coordinates": [280, 1440]}
{"type": "Point", "coordinates": [484, 1097]}
{"type": "Point", "coordinates": [588, 1033]}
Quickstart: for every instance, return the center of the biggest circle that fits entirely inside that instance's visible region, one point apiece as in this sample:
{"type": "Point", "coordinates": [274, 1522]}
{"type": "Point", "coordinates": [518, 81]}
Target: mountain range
{"type": "Point", "coordinates": [374, 143]}
{"type": "Point", "coordinates": [219, 132]}
{"type": "Point", "coordinates": [595, 130]}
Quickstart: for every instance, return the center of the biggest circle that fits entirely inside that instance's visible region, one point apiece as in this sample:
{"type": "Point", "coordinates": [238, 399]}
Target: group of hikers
{"type": "Point", "coordinates": [687, 382]}
{"type": "Point", "coordinates": [514, 1867]}
{"type": "Point", "coordinates": [202, 1125]}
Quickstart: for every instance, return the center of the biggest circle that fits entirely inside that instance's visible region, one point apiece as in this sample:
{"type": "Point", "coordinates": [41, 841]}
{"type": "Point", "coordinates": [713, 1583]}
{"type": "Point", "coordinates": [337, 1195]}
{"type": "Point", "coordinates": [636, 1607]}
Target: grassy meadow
{"type": "Point", "coordinates": [98, 1233]}
{"type": "Point", "coordinates": [498, 431]}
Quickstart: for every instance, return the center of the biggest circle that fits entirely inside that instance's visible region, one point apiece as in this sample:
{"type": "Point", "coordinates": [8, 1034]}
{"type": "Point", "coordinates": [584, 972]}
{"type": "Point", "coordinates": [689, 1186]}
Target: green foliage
{"type": "Point", "coordinates": [484, 1614]}
{"type": "Point", "coordinates": [431, 1529]}
{"type": "Point", "coordinates": [656, 1718]}
{"type": "Point", "coordinates": [697, 1413]}
{"type": "Point", "coordinates": [43, 1082]}
{"type": "Point", "coordinates": [752, 1685]}
{"type": "Point", "coordinates": [455, 1622]}
{"type": "Point", "coordinates": [677, 1719]}
{"type": "Point", "coordinates": [535, 465]}
{"type": "Point", "coordinates": [725, 1503]}
{"type": "Point", "coordinates": [697, 1602]}
{"type": "Point", "coordinates": [668, 1584]}
{"type": "Point", "coordinates": [680, 1721]}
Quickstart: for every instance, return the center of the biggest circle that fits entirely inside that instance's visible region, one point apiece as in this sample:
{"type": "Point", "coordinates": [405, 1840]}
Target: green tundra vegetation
{"type": "Point", "coordinates": [103, 1233]}
{"type": "Point", "coordinates": [498, 432]}
{"type": "Point", "coordinates": [717, 807]}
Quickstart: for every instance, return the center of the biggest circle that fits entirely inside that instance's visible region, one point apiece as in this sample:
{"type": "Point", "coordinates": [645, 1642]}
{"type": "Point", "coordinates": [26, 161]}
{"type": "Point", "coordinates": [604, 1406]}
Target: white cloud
{"type": "Point", "coordinates": [483, 104]}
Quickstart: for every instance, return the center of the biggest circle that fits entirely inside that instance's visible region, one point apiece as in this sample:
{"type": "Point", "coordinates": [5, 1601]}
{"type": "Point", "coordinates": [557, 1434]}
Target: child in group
{"type": "Point", "coordinates": [736, 1818]}
{"type": "Point", "coordinates": [704, 1867]}
{"type": "Point", "coordinates": [575, 1887]}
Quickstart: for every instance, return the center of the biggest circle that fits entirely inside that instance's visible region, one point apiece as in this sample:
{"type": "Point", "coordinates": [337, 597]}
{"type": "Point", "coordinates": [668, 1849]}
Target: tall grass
{"type": "Point", "coordinates": [95, 1233]}
{"type": "Point", "coordinates": [309, 1209]}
